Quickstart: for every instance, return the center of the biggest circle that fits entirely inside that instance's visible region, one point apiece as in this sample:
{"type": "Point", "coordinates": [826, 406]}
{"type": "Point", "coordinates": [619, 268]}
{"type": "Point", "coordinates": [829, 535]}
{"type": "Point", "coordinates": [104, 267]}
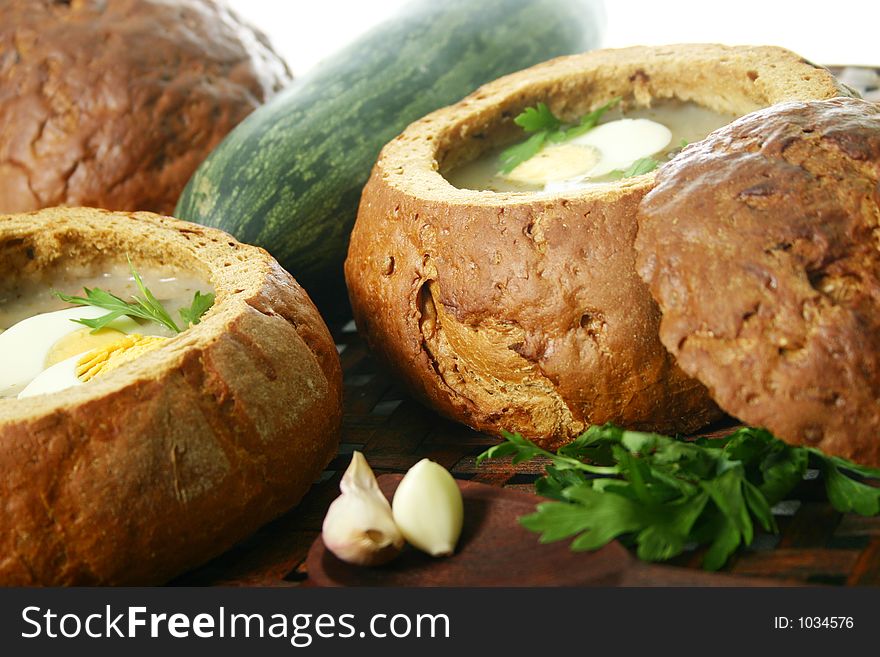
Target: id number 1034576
{"type": "Point", "coordinates": [814, 622]}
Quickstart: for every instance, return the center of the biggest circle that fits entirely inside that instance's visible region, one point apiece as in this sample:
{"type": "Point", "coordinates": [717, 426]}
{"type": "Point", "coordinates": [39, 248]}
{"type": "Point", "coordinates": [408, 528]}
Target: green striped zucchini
{"type": "Point", "coordinates": [289, 177]}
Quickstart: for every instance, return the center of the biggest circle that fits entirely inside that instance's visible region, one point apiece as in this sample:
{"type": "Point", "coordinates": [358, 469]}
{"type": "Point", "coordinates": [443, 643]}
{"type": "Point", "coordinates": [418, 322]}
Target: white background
{"type": "Point", "coordinates": [839, 32]}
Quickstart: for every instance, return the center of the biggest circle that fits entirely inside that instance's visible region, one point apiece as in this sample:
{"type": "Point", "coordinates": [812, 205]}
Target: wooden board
{"type": "Point", "coordinates": [494, 550]}
{"type": "Point", "coordinates": [816, 544]}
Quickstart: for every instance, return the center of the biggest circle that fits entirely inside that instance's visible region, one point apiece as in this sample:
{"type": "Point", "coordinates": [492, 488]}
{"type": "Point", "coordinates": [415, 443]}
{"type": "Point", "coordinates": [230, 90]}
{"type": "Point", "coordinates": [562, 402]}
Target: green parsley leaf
{"type": "Point", "coordinates": [150, 304]}
{"type": "Point", "coordinates": [844, 493]}
{"type": "Point", "coordinates": [779, 467]}
{"type": "Point", "coordinates": [546, 128]}
{"type": "Point", "coordinates": [641, 166]}
{"type": "Point", "coordinates": [759, 507]}
{"type": "Point", "coordinates": [723, 539]}
{"type": "Point", "coordinates": [554, 483]}
{"type": "Point", "coordinates": [726, 491]}
{"type": "Point", "coordinates": [637, 168]}
{"type": "Point", "coordinates": [660, 494]}
{"type": "Point", "coordinates": [521, 449]}
{"type": "Point", "coordinates": [512, 157]}
{"type": "Point", "coordinates": [591, 120]}
{"type": "Point", "coordinates": [200, 305]}
{"type": "Point", "coordinates": [524, 449]}
{"type": "Point", "coordinates": [117, 307]}
{"type": "Point", "coordinates": [538, 118]}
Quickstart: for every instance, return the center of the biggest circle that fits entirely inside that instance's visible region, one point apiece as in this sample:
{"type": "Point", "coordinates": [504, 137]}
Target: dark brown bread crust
{"type": "Point", "coordinates": [760, 245]}
{"type": "Point", "coordinates": [176, 456]}
{"type": "Point", "coordinates": [114, 104]}
{"type": "Point", "coordinates": [506, 325]}
{"type": "Point", "coordinates": [524, 312]}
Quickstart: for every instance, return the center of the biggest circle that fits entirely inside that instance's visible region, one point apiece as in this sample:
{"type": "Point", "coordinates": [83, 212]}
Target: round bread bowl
{"type": "Point", "coordinates": [523, 311]}
{"type": "Point", "coordinates": [772, 297]}
{"type": "Point", "coordinates": [115, 104]}
{"type": "Point", "coordinates": [174, 457]}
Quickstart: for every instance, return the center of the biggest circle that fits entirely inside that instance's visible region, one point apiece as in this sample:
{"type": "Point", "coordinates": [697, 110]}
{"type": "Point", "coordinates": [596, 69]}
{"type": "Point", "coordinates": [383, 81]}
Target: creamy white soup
{"type": "Point", "coordinates": [623, 142]}
{"type": "Point", "coordinates": [43, 346]}
{"type": "Point", "coordinates": [174, 289]}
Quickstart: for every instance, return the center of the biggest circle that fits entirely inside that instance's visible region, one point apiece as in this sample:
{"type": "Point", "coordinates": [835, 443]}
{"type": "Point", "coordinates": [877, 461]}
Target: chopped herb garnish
{"type": "Point", "coordinates": [641, 166]}
{"type": "Point", "coordinates": [200, 305]}
{"type": "Point", "coordinates": [546, 127]}
{"type": "Point", "coordinates": [591, 120]}
{"type": "Point", "coordinates": [512, 157]}
{"type": "Point", "coordinates": [660, 494]}
{"type": "Point", "coordinates": [538, 118]}
{"type": "Point", "coordinates": [637, 168]}
{"type": "Point", "coordinates": [146, 306]}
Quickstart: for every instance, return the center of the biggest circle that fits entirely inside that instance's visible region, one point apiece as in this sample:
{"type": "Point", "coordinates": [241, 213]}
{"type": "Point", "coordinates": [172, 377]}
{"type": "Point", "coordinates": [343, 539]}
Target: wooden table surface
{"type": "Point", "coordinates": [816, 544]}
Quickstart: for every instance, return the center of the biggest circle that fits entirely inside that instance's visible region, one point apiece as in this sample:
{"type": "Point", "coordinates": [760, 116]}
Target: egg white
{"type": "Point", "coordinates": [25, 345]}
{"type": "Point", "coordinates": [624, 141]}
{"type": "Point", "coordinates": [612, 146]}
{"type": "Point", "coordinates": [58, 377]}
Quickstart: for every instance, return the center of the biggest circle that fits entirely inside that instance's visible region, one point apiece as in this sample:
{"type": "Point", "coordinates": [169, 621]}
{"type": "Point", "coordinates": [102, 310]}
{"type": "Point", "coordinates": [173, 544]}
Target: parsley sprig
{"type": "Point", "coordinates": [545, 127]}
{"type": "Point", "coordinates": [641, 166]}
{"type": "Point", "coordinates": [201, 303]}
{"type": "Point", "coordinates": [637, 168]}
{"type": "Point", "coordinates": [146, 306]}
{"type": "Point", "coordinates": [662, 495]}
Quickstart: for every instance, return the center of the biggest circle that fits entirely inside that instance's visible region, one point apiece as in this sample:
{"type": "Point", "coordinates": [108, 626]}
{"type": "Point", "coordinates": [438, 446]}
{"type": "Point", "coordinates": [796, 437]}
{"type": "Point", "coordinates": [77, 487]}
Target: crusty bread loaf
{"type": "Point", "coordinates": [173, 457]}
{"type": "Point", "coordinates": [769, 279]}
{"type": "Point", "coordinates": [114, 104]}
{"type": "Point", "coordinates": [523, 311]}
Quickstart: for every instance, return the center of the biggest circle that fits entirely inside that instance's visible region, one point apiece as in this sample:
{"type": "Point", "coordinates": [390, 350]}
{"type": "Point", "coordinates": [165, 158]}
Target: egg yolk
{"type": "Point", "coordinates": [109, 357]}
{"type": "Point", "coordinates": [556, 162]}
{"type": "Point", "coordinates": [78, 342]}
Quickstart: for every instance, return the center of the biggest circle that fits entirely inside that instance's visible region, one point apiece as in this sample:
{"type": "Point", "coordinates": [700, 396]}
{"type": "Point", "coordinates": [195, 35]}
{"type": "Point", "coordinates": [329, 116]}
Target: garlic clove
{"type": "Point", "coordinates": [359, 527]}
{"type": "Point", "coordinates": [359, 477]}
{"type": "Point", "coordinates": [428, 508]}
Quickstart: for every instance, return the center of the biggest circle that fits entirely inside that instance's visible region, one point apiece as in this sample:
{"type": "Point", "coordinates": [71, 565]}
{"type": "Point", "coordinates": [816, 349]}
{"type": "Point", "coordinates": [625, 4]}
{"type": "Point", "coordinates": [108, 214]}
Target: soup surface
{"type": "Point", "coordinates": [43, 346]}
{"type": "Point", "coordinates": [174, 289]}
{"type": "Point", "coordinates": [588, 160]}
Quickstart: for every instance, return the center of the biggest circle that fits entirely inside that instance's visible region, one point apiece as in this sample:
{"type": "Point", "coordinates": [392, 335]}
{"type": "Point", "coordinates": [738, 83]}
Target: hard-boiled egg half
{"type": "Point", "coordinates": [612, 146]}
{"type": "Point", "coordinates": [43, 353]}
